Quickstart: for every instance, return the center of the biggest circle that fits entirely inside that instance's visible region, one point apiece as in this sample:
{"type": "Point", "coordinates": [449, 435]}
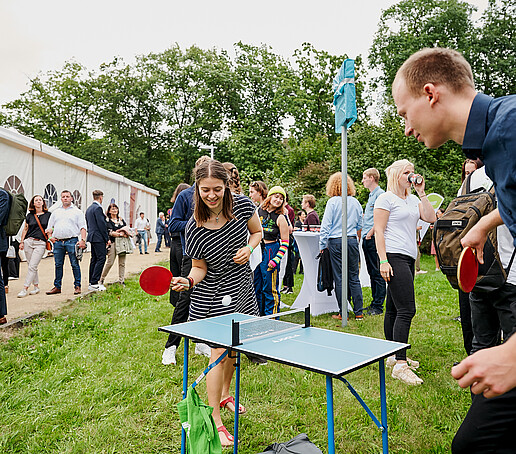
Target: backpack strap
{"type": "Point", "coordinates": [510, 262]}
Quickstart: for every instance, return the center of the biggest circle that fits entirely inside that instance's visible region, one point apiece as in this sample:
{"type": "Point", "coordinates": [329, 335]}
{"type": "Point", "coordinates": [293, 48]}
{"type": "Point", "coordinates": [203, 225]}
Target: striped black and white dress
{"type": "Point", "coordinates": [224, 276]}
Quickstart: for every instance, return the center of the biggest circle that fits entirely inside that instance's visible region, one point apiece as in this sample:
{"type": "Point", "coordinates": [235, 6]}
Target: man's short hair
{"type": "Point", "coordinates": [438, 66]}
{"type": "Point", "coordinates": [142, 213]}
{"type": "Point", "coordinates": [97, 194]}
{"type": "Point", "coordinates": [372, 172]}
{"type": "Point", "coordinates": [66, 191]}
{"type": "Point", "coordinates": [310, 199]}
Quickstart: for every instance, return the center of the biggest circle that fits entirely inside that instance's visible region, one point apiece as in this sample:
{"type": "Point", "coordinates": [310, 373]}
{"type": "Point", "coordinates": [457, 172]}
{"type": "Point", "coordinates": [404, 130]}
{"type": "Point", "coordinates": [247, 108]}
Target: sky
{"type": "Point", "coordinates": [38, 36]}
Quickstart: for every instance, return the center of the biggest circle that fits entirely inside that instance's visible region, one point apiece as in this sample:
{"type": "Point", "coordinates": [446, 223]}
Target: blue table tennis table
{"type": "Point", "coordinates": [330, 353]}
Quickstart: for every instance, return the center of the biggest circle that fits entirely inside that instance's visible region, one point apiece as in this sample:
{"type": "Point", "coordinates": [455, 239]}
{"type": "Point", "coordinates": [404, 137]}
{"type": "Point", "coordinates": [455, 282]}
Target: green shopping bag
{"type": "Point", "coordinates": [201, 433]}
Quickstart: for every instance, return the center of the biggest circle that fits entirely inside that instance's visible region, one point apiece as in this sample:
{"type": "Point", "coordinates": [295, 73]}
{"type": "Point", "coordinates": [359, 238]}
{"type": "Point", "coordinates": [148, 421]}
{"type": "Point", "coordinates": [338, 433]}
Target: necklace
{"type": "Point", "coordinates": [217, 216]}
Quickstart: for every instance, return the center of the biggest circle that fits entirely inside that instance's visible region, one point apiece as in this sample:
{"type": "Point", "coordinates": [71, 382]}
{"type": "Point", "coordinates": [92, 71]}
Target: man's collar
{"type": "Point", "coordinates": [476, 127]}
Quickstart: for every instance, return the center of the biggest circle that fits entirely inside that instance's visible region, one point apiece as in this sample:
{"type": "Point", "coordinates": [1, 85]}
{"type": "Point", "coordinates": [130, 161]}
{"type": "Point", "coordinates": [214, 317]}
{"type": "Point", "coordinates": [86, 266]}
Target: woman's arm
{"type": "Point", "coordinates": [197, 274]}
{"type": "Point", "coordinates": [381, 217]}
{"type": "Point", "coordinates": [283, 228]}
{"type": "Point", "coordinates": [255, 236]}
{"type": "Point", "coordinates": [25, 230]}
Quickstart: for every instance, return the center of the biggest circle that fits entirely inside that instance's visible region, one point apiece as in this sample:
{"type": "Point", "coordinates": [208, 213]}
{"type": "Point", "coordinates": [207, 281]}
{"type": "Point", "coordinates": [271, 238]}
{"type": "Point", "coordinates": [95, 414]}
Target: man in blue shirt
{"type": "Point", "coordinates": [435, 93]}
{"type": "Point", "coordinates": [370, 179]}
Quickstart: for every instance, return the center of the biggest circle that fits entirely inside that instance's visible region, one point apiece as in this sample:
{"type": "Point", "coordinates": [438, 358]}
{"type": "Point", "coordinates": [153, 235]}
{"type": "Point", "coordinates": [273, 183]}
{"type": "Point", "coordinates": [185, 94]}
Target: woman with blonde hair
{"type": "Point", "coordinates": [396, 214]}
{"type": "Point", "coordinates": [331, 238]}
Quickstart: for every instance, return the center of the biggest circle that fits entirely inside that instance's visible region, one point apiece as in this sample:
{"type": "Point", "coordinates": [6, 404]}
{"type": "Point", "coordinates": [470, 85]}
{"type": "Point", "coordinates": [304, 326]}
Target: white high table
{"type": "Point", "coordinates": [320, 302]}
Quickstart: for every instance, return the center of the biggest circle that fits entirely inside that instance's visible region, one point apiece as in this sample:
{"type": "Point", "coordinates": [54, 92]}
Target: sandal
{"type": "Point", "coordinates": [231, 400]}
{"type": "Point", "coordinates": [229, 437]}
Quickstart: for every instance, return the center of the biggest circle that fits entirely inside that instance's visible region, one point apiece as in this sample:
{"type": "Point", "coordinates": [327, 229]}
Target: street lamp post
{"type": "Point", "coordinates": [209, 147]}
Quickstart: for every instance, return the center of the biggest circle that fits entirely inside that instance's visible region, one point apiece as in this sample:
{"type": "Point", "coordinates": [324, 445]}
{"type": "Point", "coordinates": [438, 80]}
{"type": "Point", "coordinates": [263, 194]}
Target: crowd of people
{"type": "Point", "coordinates": [228, 250]}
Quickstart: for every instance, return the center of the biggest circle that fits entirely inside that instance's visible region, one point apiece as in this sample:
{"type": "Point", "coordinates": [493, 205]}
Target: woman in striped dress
{"type": "Point", "coordinates": [217, 241]}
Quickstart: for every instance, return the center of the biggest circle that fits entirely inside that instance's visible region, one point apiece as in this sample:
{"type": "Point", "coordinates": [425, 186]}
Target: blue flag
{"type": "Point", "coordinates": [344, 98]}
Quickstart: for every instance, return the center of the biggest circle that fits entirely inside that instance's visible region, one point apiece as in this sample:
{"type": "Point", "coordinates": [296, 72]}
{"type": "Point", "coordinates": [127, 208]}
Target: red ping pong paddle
{"type": "Point", "coordinates": [155, 280]}
{"type": "Point", "coordinates": [467, 270]}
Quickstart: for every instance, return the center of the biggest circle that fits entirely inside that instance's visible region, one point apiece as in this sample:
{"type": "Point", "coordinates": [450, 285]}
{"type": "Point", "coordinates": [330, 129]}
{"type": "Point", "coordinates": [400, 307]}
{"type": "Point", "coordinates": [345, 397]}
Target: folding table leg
{"type": "Point", "coordinates": [329, 415]}
{"type": "Point", "coordinates": [383, 407]}
{"type": "Point", "coordinates": [185, 389]}
{"type": "Point", "coordinates": [237, 402]}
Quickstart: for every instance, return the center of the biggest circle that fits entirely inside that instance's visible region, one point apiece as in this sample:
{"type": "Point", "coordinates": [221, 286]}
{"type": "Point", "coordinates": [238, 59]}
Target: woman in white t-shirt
{"type": "Point", "coordinates": [396, 213]}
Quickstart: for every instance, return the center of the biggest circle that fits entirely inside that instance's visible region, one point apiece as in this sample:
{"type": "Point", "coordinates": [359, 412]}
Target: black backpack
{"type": "Point", "coordinates": [462, 214]}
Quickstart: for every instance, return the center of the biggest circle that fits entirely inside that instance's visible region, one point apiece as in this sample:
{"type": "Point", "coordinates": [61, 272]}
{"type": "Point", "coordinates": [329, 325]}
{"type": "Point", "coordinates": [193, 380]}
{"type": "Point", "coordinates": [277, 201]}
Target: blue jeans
{"type": "Point", "coordinates": [354, 287]}
{"type": "Point", "coordinates": [268, 296]}
{"type": "Point", "coordinates": [143, 234]}
{"type": "Point", "coordinates": [61, 248]}
{"type": "Point", "coordinates": [378, 286]}
{"type": "Point", "coordinates": [158, 241]}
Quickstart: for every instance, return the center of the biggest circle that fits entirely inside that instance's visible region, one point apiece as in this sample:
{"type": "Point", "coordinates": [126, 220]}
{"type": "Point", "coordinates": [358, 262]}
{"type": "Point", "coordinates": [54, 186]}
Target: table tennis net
{"type": "Point", "coordinates": [259, 328]}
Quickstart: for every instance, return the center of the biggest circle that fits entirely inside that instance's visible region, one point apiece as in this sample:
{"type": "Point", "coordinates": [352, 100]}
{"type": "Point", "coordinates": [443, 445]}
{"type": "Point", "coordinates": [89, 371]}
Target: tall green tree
{"type": "Point", "coordinates": [411, 25]}
{"type": "Point", "coordinates": [57, 109]}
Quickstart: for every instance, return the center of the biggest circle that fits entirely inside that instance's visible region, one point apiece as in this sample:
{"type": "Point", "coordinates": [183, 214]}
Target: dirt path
{"type": "Point", "coordinates": [20, 307]}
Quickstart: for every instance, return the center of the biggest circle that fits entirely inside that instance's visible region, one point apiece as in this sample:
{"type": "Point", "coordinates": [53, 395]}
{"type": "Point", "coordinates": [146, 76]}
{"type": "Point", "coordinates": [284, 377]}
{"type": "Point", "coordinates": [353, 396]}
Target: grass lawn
{"type": "Point", "coordinates": [90, 380]}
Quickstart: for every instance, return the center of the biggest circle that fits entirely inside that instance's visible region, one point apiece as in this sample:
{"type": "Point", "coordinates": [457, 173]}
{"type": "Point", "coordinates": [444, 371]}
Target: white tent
{"type": "Point", "coordinates": [30, 167]}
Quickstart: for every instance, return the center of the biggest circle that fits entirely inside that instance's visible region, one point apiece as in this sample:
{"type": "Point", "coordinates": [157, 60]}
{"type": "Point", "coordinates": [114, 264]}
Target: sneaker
{"type": "Point", "coordinates": [35, 291]}
{"type": "Point", "coordinates": [169, 356]}
{"type": "Point", "coordinates": [405, 374]}
{"type": "Point", "coordinates": [421, 272]}
{"type": "Point", "coordinates": [101, 287]}
{"type": "Point", "coordinates": [22, 294]}
{"type": "Point", "coordinates": [374, 311]}
{"type": "Point", "coordinates": [359, 317]}
{"type": "Point", "coordinates": [257, 360]}
{"type": "Point", "coordinates": [391, 362]}
{"type": "Point", "coordinates": [289, 291]}
{"type": "Point", "coordinates": [284, 290]}
{"type": "Point", "coordinates": [93, 288]}
{"type": "Point", "coordinates": [203, 349]}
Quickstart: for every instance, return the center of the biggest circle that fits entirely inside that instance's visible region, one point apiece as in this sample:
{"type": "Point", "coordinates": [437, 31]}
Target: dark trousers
{"type": "Point", "coordinates": [183, 305]}
{"type": "Point", "coordinates": [176, 258]}
{"type": "Point", "coordinates": [465, 321]}
{"type": "Point", "coordinates": [97, 261]}
{"type": "Point", "coordinates": [5, 267]}
{"type": "Point", "coordinates": [489, 426]}
{"type": "Point", "coordinates": [354, 287]}
{"type": "Point", "coordinates": [288, 279]}
{"type": "Point", "coordinates": [158, 241]}
{"type": "Point", "coordinates": [378, 287]}
{"type": "Point", "coordinates": [400, 305]}
{"type": "Point", "coordinates": [490, 313]}
{"type": "Point", "coordinates": [3, 300]}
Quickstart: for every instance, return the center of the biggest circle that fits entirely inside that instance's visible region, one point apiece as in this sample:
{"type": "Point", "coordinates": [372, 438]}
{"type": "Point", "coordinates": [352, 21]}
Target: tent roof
{"type": "Point", "coordinates": [27, 143]}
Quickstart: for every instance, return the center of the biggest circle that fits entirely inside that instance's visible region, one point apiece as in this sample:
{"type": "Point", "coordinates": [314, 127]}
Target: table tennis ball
{"type": "Point", "coordinates": [226, 300]}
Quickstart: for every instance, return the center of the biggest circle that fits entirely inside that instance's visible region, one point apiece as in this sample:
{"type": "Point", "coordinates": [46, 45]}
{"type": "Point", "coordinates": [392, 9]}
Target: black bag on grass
{"type": "Point", "coordinates": [300, 444]}
{"type": "Point", "coordinates": [462, 214]}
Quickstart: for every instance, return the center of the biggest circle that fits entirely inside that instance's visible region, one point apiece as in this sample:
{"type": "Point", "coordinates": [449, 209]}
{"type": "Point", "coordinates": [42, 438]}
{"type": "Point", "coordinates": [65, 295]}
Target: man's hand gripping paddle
{"type": "Point", "coordinates": [467, 270]}
{"type": "Point", "coordinates": [156, 280]}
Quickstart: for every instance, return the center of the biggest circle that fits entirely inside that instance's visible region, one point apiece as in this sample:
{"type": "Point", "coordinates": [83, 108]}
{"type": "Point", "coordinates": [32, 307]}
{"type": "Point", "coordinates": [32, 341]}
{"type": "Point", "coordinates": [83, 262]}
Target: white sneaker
{"type": "Point", "coordinates": [421, 272]}
{"type": "Point", "coordinates": [35, 291]}
{"type": "Point", "coordinates": [391, 362]}
{"type": "Point", "coordinates": [404, 373]}
{"type": "Point", "coordinates": [169, 356]}
{"type": "Point", "coordinates": [203, 349]}
{"type": "Point", "coordinates": [101, 287]}
{"type": "Point", "coordinates": [22, 294]}
{"type": "Point", "coordinates": [93, 288]}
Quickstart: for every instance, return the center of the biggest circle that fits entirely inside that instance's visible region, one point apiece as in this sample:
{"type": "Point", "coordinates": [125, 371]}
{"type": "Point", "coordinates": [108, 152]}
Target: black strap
{"type": "Point", "coordinates": [510, 263]}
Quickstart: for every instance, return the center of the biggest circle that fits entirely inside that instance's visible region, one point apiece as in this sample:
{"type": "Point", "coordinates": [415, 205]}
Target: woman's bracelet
{"type": "Point", "coordinates": [191, 281]}
{"type": "Point", "coordinates": [250, 247]}
{"type": "Point", "coordinates": [383, 261]}
{"type": "Point", "coordinates": [422, 195]}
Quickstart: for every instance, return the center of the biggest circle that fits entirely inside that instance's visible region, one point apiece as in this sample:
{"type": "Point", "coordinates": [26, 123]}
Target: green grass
{"type": "Point", "coordinates": [90, 380]}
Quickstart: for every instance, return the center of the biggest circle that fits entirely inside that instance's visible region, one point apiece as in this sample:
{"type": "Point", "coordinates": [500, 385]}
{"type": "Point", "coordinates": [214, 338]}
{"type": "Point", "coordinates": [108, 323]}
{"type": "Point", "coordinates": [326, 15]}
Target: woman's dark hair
{"type": "Point", "coordinates": [180, 188]}
{"type": "Point", "coordinates": [261, 188]}
{"type": "Point", "coordinates": [112, 205]}
{"type": "Point", "coordinates": [212, 169]}
{"type": "Point", "coordinates": [234, 177]}
{"type": "Point", "coordinates": [32, 208]}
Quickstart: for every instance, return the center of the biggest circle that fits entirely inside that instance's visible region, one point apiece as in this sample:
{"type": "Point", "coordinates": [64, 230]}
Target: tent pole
{"type": "Point", "coordinates": [344, 170]}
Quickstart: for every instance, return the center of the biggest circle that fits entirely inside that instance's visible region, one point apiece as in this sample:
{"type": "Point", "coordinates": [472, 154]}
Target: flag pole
{"type": "Point", "coordinates": [344, 191]}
